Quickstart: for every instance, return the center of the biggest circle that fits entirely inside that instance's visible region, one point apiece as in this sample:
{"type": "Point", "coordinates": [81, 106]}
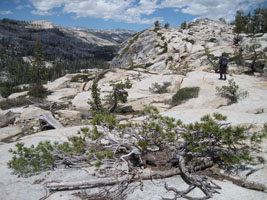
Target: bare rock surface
{"type": "Point", "coordinates": [32, 113]}
{"type": "Point", "coordinates": [16, 95]}
{"type": "Point", "coordinates": [80, 101]}
{"type": "Point", "coordinates": [62, 94]}
{"type": "Point", "coordinates": [9, 131]}
{"type": "Point", "coordinates": [7, 117]}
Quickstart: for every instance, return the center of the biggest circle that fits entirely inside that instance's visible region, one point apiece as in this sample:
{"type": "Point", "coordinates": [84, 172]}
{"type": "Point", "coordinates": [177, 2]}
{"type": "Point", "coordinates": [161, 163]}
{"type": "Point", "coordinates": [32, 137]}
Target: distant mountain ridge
{"type": "Point", "coordinates": [61, 42]}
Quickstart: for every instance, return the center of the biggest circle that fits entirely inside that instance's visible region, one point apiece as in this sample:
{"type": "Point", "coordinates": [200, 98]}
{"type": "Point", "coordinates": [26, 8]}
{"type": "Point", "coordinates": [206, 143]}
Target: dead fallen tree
{"type": "Point", "coordinates": [110, 181]}
{"type": "Point", "coordinates": [47, 121]}
{"type": "Point", "coordinates": [163, 144]}
{"type": "Point", "coordinates": [102, 182]}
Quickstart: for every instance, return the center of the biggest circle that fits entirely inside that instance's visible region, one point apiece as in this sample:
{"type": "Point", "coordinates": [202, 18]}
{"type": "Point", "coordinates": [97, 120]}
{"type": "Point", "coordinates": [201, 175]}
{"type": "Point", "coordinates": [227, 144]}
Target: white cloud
{"type": "Point", "coordinates": [42, 13]}
{"type": "Point", "coordinates": [141, 11]}
{"type": "Point", "coordinates": [45, 5]}
{"type": "Point", "coordinates": [20, 7]}
{"type": "Point", "coordinates": [6, 12]}
{"type": "Point", "coordinates": [213, 9]}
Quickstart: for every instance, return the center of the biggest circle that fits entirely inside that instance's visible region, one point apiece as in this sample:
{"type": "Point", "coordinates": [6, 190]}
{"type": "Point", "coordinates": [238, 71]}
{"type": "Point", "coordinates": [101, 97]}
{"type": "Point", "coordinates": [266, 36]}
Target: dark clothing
{"type": "Point", "coordinates": [223, 67]}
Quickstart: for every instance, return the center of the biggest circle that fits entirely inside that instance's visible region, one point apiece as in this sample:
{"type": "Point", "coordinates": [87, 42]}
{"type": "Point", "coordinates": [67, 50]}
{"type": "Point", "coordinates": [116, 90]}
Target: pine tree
{"type": "Point", "coordinates": [184, 25]}
{"type": "Point", "coordinates": [95, 101]}
{"type": "Point", "coordinates": [167, 25]}
{"type": "Point", "coordinates": [157, 24]}
{"type": "Point", "coordinates": [240, 22]}
{"type": "Point", "coordinates": [37, 72]}
{"type": "Point", "coordinates": [256, 23]}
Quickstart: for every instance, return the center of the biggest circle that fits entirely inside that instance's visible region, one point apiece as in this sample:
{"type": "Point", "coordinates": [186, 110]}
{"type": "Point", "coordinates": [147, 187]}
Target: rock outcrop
{"type": "Point", "coordinates": [186, 49]}
{"type": "Point", "coordinates": [6, 118]}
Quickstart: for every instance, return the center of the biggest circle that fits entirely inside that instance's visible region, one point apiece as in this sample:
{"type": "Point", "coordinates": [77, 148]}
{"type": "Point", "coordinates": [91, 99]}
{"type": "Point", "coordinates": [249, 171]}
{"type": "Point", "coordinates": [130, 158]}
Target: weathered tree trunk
{"type": "Point", "coordinates": [111, 181]}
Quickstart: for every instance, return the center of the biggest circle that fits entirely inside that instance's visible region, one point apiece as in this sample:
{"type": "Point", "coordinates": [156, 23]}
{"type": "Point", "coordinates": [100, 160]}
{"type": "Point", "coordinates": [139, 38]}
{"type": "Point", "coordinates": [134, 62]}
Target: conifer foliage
{"type": "Point", "coordinates": [112, 100]}
{"type": "Point", "coordinates": [251, 23]}
{"type": "Point", "coordinates": [37, 72]}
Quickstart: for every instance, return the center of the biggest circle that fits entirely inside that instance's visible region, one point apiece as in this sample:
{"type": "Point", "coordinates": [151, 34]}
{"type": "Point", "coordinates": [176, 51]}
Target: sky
{"type": "Point", "coordinates": [134, 15]}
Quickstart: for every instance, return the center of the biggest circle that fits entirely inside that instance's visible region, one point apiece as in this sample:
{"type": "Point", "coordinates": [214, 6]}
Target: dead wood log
{"type": "Point", "coordinates": [111, 181]}
{"type": "Point", "coordinates": [47, 121]}
{"type": "Point", "coordinates": [102, 182]}
{"type": "Point", "coordinates": [215, 173]}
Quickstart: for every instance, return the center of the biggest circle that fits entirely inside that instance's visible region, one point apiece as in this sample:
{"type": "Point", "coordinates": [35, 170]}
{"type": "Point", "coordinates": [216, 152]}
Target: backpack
{"type": "Point", "coordinates": [224, 61]}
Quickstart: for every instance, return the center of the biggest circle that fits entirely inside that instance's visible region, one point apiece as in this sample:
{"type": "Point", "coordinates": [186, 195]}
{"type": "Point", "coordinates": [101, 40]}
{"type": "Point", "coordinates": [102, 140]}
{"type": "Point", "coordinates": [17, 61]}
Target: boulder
{"type": "Point", "coordinates": [80, 101]}
{"type": "Point", "coordinates": [197, 48]}
{"type": "Point", "coordinates": [72, 114]}
{"type": "Point", "coordinates": [9, 131]}
{"type": "Point", "coordinates": [88, 86]}
{"type": "Point", "coordinates": [32, 113]}
{"type": "Point", "coordinates": [59, 95]}
{"type": "Point", "coordinates": [16, 95]}
{"type": "Point", "coordinates": [7, 117]}
{"type": "Point", "coordinates": [58, 83]}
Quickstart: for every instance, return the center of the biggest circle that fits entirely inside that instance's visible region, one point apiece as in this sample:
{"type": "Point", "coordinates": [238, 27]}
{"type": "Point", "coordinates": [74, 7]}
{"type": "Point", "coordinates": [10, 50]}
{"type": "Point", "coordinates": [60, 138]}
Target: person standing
{"type": "Point", "coordinates": [223, 66]}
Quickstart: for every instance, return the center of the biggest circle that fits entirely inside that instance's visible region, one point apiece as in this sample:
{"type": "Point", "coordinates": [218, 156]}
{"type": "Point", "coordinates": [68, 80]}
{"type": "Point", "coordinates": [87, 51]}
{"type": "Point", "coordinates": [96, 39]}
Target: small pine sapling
{"type": "Point", "coordinates": [231, 91]}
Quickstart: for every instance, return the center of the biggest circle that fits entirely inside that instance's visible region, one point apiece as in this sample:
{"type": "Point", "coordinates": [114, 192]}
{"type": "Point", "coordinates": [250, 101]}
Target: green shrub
{"type": "Point", "coordinates": [159, 89]}
{"type": "Point", "coordinates": [238, 59]}
{"type": "Point", "coordinates": [7, 89]}
{"type": "Point", "coordinates": [28, 160]}
{"type": "Point", "coordinates": [231, 91]}
{"type": "Point", "coordinates": [17, 102]}
{"type": "Point", "coordinates": [37, 90]}
{"type": "Point", "coordinates": [184, 94]}
{"type": "Point", "coordinates": [165, 48]}
{"type": "Point", "coordinates": [117, 95]}
{"type": "Point", "coordinates": [150, 110]}
{"type": "Point", "coordinates": [214, 61]}
{"type": "Point", "coordinates": [107, 119]}
{"type": "Point", "coordinates": [31, 159]}
{"type": "Point", "coordinates": [208, 134]}
{"type": "Point", "coordinates": [189, 40]}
